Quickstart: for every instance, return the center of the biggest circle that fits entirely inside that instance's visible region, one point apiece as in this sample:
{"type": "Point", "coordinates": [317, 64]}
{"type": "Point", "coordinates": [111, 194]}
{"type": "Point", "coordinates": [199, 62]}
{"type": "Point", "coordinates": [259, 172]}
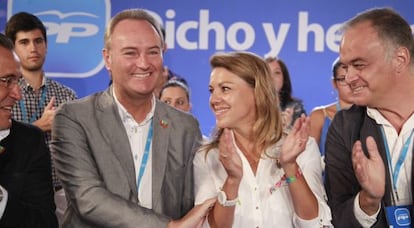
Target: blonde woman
{"type": "Point", "coordinates": [262, 177]}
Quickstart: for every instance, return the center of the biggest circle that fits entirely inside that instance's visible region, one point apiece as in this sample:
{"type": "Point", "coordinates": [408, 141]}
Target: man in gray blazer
{"type": "Point", "coordinates": [124, 158]}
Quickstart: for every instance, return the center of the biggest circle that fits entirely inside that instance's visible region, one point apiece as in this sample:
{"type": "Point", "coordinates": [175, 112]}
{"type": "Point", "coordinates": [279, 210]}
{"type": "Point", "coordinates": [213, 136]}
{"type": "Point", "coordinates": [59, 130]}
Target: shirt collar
{"type": "Point", "coordinates": [377, 116]}
{"type": "Point", "coordinates": [126, 117]}
{"type": "Point", "coordinates": [26, 85]}
{"type": "Point", "coordinates": [4, 133]}
{"type": "Point", "coordinates": [380, 119]}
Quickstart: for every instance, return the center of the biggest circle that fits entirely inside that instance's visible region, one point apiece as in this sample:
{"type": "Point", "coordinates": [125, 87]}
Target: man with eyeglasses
{"type": "Point", "coordinates": [26, 192]}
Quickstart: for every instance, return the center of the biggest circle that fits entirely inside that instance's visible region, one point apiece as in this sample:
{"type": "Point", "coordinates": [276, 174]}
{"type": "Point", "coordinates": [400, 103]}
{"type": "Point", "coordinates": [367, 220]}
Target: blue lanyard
{"type": "Point", "coordinates": [403, 154]}
{"type": "Point", "coordinates": [145, 156]}
{"type": "Point", "coordinates": [39, 107]}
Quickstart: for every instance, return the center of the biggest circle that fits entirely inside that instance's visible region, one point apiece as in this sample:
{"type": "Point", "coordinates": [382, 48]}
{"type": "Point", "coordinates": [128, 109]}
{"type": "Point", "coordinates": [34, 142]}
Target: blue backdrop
{"type": "Point", "coordinates": [303, 33]}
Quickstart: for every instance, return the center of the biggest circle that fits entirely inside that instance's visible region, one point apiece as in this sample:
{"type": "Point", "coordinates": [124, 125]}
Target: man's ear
{"type": "Point", "coordinates": [107, 58]}
{"type": "Point", "coordinates": [402, 59]}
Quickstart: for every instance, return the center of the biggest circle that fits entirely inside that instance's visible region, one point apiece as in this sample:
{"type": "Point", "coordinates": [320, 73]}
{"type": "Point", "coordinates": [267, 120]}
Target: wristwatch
{"type": "Point", "coordinates": [222, 199]}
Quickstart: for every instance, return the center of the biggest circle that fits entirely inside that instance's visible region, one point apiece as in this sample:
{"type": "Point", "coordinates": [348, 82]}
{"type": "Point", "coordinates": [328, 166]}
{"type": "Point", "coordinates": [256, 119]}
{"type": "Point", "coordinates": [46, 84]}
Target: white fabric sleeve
{"type": "Point", "coordinates": [204, 186]}
{"type": "Point", "coordinates": [310, 163]}
{"type": "Point", "coordinates": [364, 219]}
{"type": "Point", "coordinates": [316, 222]}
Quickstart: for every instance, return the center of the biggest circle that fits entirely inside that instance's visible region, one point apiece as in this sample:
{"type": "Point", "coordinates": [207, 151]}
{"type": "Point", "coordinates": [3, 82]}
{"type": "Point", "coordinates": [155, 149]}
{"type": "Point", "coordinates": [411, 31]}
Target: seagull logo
{"type": "Point", "coordinates": [63, 15]}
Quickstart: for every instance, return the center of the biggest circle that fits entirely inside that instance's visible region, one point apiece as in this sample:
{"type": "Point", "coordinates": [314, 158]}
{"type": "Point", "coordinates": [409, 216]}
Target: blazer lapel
{"type": "Point", "coordinates": [114, 131]}
{"type": "Point", "coordinates": [159, 151]}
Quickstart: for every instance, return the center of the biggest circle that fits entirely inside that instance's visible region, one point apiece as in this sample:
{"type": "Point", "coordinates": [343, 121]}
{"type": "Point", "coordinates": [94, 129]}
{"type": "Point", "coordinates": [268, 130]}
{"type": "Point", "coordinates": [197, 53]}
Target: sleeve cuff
{"type": "Point", "coordinates": [323, 220]}
{"type": "Point", "coordinates": [364, 219]}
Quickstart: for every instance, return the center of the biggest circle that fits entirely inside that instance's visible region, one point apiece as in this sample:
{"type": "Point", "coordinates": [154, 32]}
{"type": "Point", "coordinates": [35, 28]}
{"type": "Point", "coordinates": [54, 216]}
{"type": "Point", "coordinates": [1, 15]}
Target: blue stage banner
{"type": "Point", "coordinates": [305, 34]}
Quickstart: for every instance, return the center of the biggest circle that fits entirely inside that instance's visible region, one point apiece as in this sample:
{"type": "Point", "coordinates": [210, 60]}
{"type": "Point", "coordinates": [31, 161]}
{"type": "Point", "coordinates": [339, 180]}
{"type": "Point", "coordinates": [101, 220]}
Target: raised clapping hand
{"type": "Point", "coordinates": [370, 173]}
{"type": "Point", "coordinates": [228, 155]}
{"type": "Point", "coordinates": [295, 142]}
{"type": "Point", "coordinates": [46, 120]}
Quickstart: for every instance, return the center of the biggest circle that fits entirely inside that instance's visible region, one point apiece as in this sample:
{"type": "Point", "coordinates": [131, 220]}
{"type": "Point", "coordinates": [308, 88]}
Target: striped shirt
{"type": "Point", "coordinates": [33, 106]}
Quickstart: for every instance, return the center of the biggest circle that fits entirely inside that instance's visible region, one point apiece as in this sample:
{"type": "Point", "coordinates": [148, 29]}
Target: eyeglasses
{"type": "Point", "coordinates": [341, 81]}
{"type": "Point", "coordinates": [9, 81]}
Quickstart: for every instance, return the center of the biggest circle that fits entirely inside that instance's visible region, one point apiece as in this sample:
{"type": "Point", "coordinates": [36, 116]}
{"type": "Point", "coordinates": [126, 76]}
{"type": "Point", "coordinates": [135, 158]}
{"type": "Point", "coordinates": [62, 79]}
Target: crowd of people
{"type": "Point", "coordinates": [133, 154]}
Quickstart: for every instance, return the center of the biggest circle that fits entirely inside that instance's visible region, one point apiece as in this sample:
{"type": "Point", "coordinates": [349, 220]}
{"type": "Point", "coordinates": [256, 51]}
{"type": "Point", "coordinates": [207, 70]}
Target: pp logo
{"type": "Point", "coordinates": [75, 31]}
{"type": "Point", "coordinates": [402, 217]}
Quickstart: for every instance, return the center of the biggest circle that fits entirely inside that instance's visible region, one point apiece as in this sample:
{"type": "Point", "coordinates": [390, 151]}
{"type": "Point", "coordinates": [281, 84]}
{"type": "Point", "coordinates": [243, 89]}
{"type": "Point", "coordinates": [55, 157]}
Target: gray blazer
{"type": "Point", "coordinates": [94, 161]}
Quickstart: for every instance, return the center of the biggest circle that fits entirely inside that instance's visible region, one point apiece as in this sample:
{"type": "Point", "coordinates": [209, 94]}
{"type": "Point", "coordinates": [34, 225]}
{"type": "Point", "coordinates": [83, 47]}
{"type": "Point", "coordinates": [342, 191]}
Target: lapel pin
{"type": "Point", "coordinates": [164, 123]}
